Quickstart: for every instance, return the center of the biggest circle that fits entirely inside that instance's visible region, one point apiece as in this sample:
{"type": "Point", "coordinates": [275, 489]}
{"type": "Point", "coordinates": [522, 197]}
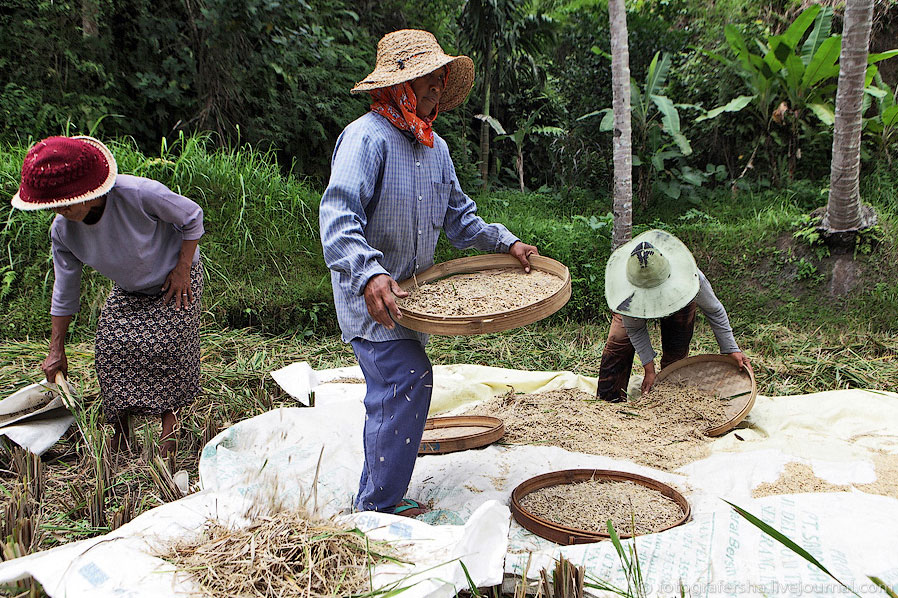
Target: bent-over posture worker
{"type": "Point", "coordinates": [654, 276]}
{"type": "Point", "coordinates": [145, 238]}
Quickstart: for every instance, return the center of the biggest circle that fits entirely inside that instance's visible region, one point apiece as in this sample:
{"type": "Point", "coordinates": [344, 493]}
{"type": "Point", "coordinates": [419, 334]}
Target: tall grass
{"type": "Point", "coordinates": [264, 267]}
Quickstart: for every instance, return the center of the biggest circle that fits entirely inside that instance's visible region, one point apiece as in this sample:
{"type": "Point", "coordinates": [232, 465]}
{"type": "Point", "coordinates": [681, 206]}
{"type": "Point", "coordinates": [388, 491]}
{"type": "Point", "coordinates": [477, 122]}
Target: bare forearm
{"type": "Point", "coordinates": [59, 327]}
{"type": "Point", "coordinates": [185, 258]}
{"type": "Point", "coordinates": [56, 361]}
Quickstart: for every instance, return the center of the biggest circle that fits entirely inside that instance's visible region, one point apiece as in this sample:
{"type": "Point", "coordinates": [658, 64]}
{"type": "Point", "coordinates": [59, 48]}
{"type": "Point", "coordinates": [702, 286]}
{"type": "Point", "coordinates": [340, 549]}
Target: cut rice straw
{"type": "Point", "coordinates": [285, 554]}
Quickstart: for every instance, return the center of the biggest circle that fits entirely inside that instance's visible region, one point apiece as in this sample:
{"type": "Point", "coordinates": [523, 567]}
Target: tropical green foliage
{"type": "Point", "coordinates": [277, 75]}
{"type": "Point", "coordinates": [524, 130]}
{"type": "Point", "coordinates": [883, 125]}
{"type": "Point", "coordinates": [505, 38]}
{"type": "Point", "coordinates": [260, 71]}
{"type": "Point", "coordinates": [658, 138]}
{"type": "Point", "coordinates": [791, 77]}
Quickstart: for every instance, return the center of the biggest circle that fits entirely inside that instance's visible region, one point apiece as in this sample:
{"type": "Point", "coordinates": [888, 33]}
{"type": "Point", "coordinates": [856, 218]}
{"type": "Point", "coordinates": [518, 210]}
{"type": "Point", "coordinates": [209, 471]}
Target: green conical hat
{"type": "Point", "coordinates": [652, 276]}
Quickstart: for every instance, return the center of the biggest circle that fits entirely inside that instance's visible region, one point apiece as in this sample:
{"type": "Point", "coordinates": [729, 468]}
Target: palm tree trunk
{"type": "Point", "coordinates": [484, 126]}
{"type": "Point", "coordinates": [89, 12]}
{"type": "Point", "coordinates": [622, 205]}
{"type": "Point", "coordinates": [844, 211]}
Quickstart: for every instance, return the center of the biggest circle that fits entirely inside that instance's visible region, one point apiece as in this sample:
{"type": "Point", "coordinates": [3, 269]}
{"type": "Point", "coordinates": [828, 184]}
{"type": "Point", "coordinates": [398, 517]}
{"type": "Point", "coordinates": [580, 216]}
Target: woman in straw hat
{"type": "Point", "coordinates": [655, 276]}
{"type": "Point", "coordinates": [392, 188]}
{"type": "Point", "coordinates": [146, 239]}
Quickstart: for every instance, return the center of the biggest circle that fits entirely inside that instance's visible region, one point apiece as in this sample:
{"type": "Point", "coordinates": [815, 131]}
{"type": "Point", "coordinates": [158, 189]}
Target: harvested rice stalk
{"type": "Point", "coordinates": [285, 554]}
{"type": "Point", "coordinates": [478, 293]}
{"type": "Point", "coordinates": [588, 505]}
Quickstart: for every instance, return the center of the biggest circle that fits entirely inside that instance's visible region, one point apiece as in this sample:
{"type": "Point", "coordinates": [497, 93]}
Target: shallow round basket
{"type": "Point", "coordinates": [561, 534]}
{"type": "Point", "coordinates": [716, 374]}
{"type": "Point", "coordinates": [484, 323]}
{"type": "Point", "coordinates": [459, 433]}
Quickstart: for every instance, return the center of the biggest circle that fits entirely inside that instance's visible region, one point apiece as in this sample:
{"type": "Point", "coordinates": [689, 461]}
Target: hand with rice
{"type": "Point", "coordinates": [145, 238]}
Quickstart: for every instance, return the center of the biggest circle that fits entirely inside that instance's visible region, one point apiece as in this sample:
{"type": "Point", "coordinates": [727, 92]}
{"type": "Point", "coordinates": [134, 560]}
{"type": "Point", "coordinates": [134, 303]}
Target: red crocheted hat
{"type": "Point", "coordinates": [61, 171]}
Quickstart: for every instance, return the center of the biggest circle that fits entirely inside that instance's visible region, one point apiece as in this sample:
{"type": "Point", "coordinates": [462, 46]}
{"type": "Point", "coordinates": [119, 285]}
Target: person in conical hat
{"type": "Point", "coordinates": [392, 189]}
{"type": "Point", "coordinates": [654, 276]}
{"type": "Point", "coordinates": [145, 238]}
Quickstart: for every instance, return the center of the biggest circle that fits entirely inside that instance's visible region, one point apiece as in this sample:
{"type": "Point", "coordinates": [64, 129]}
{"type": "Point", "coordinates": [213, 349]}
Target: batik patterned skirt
{"type": "Point", "coordinates": [147, 352]}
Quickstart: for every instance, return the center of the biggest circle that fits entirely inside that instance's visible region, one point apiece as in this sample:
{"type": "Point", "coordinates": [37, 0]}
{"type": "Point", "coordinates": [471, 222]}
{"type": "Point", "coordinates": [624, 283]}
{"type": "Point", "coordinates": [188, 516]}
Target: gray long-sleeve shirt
{"type": "Point", "coordinates": [714, 312]}
{"type": "Point", "coordinates": [136, 242]}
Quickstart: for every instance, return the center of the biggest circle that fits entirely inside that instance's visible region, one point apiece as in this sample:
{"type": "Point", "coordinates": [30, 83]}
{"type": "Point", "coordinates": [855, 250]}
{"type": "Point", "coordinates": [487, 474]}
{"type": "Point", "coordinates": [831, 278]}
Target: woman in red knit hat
{"type": "Point", "coordinates": [145, 238]}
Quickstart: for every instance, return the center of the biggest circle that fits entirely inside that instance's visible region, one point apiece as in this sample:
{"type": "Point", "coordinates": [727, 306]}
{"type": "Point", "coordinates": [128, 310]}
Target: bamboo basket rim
{"type": "Point", "coordinates": [494, 429]}
{"type": "Point", "coordinates": [562, 534]}
{"type": "Point", "coordinates": [690, 362]}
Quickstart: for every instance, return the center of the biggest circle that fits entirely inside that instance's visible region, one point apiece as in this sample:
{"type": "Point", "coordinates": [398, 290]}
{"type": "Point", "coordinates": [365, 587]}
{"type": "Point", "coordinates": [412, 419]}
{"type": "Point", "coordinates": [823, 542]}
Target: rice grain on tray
{"type": "Point", "coordinates": [682, 400]}
{"type": "Point", "coordinates": [588, 505]}
{"type": "Point", "coordinates": [479, 293]}
{"type": "Point", "coordinates": [285, 554]}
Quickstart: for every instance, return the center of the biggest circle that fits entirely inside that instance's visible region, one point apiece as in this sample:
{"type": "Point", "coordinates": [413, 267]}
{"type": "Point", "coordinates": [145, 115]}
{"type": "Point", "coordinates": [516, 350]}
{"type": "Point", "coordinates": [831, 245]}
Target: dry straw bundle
{"type": "Point", "coordinates": [285, 554]}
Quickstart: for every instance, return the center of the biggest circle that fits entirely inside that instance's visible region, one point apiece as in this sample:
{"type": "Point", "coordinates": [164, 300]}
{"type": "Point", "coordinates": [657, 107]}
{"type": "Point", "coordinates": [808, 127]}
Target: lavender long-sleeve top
{"type": "Point", "coordinates": [714, 312]}
{"type": "Point", "coordinates": [136, 242]}
{"type": "Point", "coordinates": [387, 200]}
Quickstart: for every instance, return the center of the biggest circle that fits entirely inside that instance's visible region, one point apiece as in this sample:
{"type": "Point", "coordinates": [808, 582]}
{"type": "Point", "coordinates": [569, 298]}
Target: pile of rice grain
{"type": "Point", "coordinates": [796, 478]}
{"type": "Point", "coordinates": [479, 293]}
{"type": "Point", "coordinates": [286, 554]}
{"type": "Point", "coordinates": [664, 429]}
{"type": "Point", "coordinates": [799, 478]}
{"type": "Point", "coordinates": [589, 505]}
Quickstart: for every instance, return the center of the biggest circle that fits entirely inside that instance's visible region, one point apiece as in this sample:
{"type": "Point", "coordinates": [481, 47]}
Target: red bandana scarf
{"type": "Point", "coordinates": [398, 104]}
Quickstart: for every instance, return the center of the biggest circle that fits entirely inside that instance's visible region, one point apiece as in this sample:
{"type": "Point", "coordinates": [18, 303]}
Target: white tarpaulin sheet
{"type": "Point", "coordinates": [35, 417]}
{"type": "Point", "coordinates": [274, 457]}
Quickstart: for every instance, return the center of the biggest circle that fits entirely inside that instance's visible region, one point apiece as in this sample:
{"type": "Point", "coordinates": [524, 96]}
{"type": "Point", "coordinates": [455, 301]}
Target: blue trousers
{"type": "Point", "coordinates": [399, 379]}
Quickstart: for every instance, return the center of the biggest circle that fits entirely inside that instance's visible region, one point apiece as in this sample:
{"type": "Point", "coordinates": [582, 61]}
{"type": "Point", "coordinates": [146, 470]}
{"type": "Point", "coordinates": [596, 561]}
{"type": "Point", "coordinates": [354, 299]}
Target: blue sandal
{"type": "Point", "coordinates": [408, 507]}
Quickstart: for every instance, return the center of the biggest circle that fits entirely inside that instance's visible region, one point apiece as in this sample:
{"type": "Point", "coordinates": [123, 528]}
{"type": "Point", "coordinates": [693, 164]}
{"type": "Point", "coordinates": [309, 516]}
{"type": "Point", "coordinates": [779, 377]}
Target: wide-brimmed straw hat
{"type": "Point", "coordinates": [652, 276]}
{"type": "Point", "coordinates": [62, 171]}
{"type": "Point", "coordinates": [411, 53]}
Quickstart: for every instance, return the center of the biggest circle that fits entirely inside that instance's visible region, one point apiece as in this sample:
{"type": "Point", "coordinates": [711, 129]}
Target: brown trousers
{"type": "Point", "coordinates": [617, 358]}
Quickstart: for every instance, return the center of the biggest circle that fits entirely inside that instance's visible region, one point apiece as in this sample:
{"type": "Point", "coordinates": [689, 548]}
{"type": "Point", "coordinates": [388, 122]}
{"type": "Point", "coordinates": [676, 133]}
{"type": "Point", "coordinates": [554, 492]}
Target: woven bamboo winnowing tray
{"type": "Point", "coordinates": [483, 323]}
{"type": "Point", "coordinates": [717, 374]}
{"type": "Point", "coordinates": [459, 433]}
{"type": "Point", "coordinates": [562, 534]}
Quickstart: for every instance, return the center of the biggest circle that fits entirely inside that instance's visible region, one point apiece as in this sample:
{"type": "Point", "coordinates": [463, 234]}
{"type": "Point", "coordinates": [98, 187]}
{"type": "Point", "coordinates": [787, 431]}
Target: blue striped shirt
{"type": "Point", "coordinates": [387, 199]}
